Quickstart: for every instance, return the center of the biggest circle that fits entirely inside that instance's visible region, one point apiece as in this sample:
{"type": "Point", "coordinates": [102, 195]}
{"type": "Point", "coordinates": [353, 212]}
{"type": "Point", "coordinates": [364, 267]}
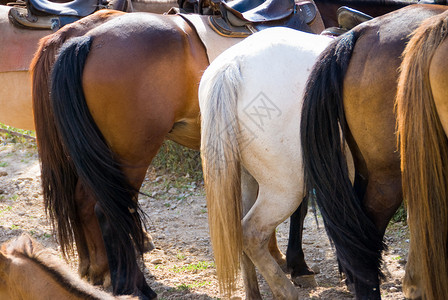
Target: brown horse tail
{"type": "Point", "coordinates": [424, 160]}
{"type": "Point", "coordinates": [93, 160]}
{"type": "Point", "coordinates": [218, 94]}
{"type": "Point", "coordinates": [357, 241]}
{"type": "Point", "coordinates": [56, 169]}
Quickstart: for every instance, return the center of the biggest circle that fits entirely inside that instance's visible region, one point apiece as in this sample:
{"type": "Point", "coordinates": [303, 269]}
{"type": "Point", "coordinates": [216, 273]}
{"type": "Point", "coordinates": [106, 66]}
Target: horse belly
{"type": "Point", "coordinates": [15, 100]}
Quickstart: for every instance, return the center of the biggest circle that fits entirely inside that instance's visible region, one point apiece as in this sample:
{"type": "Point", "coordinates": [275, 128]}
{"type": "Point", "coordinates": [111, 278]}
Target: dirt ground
{"type": "Point", "coordinates": [181, 267]}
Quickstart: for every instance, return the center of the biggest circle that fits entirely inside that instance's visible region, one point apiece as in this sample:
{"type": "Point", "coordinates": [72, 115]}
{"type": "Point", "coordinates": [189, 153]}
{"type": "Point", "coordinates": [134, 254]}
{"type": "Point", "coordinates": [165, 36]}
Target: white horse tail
{"type": "Point", "coordinates": [218, 94]}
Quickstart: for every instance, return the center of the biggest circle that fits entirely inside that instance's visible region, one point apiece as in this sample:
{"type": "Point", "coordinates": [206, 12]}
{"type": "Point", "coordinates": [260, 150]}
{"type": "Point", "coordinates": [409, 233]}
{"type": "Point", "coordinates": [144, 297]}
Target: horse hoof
{"type": "Point", "coordinates": [148, 246]}
{"type": "Point", "coordinates": [148, 243]}
{"type": "Point", "coordinates": [305, 281]}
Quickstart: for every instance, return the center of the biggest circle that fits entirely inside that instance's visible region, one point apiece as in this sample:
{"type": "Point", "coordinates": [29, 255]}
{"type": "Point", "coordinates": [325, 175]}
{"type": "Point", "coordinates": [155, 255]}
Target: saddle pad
{"type": "Point", "coordinates": [17, 46]}
{"type": "Point", "coordinates": [214, 43]}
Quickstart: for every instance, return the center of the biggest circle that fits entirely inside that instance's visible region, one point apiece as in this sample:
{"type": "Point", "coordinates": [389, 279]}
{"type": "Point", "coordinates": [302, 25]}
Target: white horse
{"type": "Point", "coordinates": [250, 99]}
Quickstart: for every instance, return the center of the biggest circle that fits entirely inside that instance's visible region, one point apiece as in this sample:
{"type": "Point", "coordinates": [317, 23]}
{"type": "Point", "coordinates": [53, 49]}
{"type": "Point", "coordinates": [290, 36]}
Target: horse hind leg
{"type": "Point", "coordinates": [91, 251]}
{"type": "Point", "coordinates": [117, 270]}
{"type": "Point", "coordinates": [126, 277]}
{"type": "Point", "coordinates": [257, 230]}
{"type": "Point", "coordinates": [301, 274]}
{"type": "Point", "coordinates": [92, 255]}
{"type": "Point", "coordinates": [276, 253]}
{"type": "Point", "coordinates": [249, 191]}
{"type": "Point", "coordinates": [294, 261]}
{"type": "Point", "coordinates": [249, 187]}
{"type": "Point", "coordinates": [382, 198]}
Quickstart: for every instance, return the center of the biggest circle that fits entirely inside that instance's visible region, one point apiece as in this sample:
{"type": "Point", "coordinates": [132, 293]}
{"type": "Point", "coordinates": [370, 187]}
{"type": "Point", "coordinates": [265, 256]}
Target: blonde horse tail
{"type": "Point", "coordinates": [424, 154]}
{"type": "Point", "coordinates": [220, 154]}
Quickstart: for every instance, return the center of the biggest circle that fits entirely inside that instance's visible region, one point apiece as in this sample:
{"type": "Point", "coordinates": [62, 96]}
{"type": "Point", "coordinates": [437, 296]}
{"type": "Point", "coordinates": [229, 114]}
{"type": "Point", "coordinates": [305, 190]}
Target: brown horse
{"type": "Point", "coordinates": [127, 107]}
{"type": "Point", "coordinates": [353, 87]}
{"type": "Point", "coordinates": [73, 201]}
{"type": "Point", "coordinates": [422, 118]}
{"type": "Point", "coordinates": [28, 271]}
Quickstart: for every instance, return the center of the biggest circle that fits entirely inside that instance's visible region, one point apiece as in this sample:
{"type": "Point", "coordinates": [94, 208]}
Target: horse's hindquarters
{"type": "Point", "coordinates": [15, 100]}
{"type": "Point", "coordinates": [439, 81]}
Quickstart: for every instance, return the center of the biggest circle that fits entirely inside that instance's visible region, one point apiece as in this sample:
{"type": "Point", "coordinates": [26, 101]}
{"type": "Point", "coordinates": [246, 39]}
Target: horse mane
{"type": "Point", "coordinates": [46, 259]}
{"type": "Point", "coordinates": [424, 159]}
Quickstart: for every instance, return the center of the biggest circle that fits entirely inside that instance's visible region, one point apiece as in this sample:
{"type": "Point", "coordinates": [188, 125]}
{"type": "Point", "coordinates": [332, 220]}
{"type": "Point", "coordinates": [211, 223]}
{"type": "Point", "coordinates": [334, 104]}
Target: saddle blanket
{"type": "Point", "coordinates": [214, 43]}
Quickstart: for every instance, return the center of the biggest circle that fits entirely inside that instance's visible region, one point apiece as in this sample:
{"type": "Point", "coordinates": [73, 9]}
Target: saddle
{"type": "Point", "coordinates": [347, 19]}
{"type": "Point", "coordinates": [240, 18]}
{"type": "Point", "coordinates": [44, 14]}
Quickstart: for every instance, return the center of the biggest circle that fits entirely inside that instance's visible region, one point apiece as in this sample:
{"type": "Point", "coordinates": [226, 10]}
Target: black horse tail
{"type": "Point", "coordinates": [357, 241]}
{"type": "Point", "coordinates": [92, 158]}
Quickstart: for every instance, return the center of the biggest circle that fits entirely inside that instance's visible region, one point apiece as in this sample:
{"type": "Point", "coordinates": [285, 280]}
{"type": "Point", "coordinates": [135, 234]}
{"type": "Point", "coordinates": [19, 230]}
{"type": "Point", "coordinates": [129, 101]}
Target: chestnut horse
{"type": "Point", "coordinates": [353, 87]}
{"type": "Point", "coordinates": [28, 271]}
{"type": "Point", "coordinates": [422, 118]}
{"type": "Point", "coordinates": [165, 52]}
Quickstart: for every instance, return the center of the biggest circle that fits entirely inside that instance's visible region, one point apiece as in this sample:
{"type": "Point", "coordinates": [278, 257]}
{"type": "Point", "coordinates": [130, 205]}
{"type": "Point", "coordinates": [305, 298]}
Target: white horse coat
{"type": "Point", "coordinates": [251, 99]}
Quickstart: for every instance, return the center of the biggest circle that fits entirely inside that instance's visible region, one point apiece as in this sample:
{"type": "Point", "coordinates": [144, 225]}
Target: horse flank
{"type": "Point", "coordinates": [222, 173]}
{"type": "Point", "coordinates": [424, 159]}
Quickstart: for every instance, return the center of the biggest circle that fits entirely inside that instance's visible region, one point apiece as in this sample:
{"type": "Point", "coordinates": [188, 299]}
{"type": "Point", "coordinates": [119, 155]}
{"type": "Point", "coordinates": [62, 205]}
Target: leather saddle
{"type": "Point", "coordinates": [44, 14]}
{"type": "Point", "coordinates": [240, 18]}
{"type": "Point", "coordinates": [347, 19]}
